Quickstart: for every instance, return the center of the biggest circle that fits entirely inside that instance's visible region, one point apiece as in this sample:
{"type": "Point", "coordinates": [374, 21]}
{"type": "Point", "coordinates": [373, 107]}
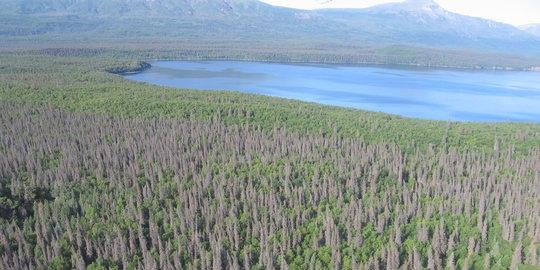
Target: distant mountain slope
{"type": "Point", "coordinates": [532, 29]}
{"type": "Point", "coordinates": [170, 19]}
{"type": "Point", "coordinates": [427, 23]}
{"type": "Point", "coordinates": [413, 22]}
{"type": "Point", "coordinates": [131, 8]}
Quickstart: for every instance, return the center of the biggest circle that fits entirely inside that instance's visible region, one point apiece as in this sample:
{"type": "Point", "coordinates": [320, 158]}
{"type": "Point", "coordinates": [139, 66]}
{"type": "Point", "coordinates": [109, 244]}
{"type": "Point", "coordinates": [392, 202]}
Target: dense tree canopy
{"type": "Point", "coordinates": [100, 173]}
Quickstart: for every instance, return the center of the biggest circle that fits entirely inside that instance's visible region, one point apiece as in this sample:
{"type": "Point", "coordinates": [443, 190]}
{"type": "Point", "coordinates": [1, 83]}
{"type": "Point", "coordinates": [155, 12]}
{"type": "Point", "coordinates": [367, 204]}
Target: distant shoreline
{"type": "Point", "coordinates": [146, 65]}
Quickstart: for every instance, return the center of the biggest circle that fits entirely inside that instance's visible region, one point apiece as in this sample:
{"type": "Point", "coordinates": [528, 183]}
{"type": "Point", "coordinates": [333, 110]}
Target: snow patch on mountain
{"type": "Point", "coordinates": [531, 28]}
{"type": "Point", "coordinates": [423, 11]}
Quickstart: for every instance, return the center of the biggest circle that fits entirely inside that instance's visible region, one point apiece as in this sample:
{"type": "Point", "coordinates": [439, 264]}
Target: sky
{"type": "Point", "coordinates": [516, 12]}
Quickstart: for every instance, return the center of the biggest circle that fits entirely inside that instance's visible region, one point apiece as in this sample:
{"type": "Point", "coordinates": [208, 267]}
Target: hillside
{"type": "Point", "coordinates": [198, 20]}
{"type": "Point", "coordinates": [100, 173]}
{"type": "Point", "coordinates": [426, 22]}
{"type": "Point", "coordinates": [149, 9]}
{"type": "Point", "coordinates": [414, 22]}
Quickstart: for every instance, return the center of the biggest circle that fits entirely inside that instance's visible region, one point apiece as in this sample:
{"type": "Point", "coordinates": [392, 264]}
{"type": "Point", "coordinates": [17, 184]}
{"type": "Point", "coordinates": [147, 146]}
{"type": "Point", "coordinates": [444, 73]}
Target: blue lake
{"type": "Point", "coordinates": [486, 96]}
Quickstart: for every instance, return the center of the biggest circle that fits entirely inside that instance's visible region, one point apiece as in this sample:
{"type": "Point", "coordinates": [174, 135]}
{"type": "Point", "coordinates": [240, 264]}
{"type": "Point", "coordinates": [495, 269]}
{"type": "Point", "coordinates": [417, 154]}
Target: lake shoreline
{"type": "Point", "coordinates": [415, 92]}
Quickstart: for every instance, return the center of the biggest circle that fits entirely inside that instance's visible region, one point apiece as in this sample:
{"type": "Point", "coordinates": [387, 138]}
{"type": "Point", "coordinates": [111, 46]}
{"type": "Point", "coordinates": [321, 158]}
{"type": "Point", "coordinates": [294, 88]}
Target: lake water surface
{"type": "Point", "coordinates": [487, 96]}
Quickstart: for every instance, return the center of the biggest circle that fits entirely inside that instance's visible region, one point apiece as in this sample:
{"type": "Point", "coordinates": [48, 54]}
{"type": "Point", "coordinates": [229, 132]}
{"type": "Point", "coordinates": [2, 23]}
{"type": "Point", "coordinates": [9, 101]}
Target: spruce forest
{"type": "Point", "coordinates": [100, 173]}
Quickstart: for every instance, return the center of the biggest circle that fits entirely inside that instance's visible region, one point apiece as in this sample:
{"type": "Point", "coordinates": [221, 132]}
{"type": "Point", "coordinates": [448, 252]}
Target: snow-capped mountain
{"type": "Point", "coordinates": [416, 8]}
{"type": "Point", "coordinates": [425, 22]}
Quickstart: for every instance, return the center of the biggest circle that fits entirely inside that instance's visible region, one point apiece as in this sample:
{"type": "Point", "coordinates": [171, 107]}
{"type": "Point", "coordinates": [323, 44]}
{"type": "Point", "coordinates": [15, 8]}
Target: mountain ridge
{"type": "Point", "coordinates": [412, 23]}
{"type": "Point", "coordinates": [533, 28]}
{"type": "Point", "coordinates": [435, 26]}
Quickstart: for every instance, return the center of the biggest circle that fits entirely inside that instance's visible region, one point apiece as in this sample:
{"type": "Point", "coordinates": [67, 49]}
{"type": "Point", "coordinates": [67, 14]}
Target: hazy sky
{"type": "Point", "coordinates": [509, 11]}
